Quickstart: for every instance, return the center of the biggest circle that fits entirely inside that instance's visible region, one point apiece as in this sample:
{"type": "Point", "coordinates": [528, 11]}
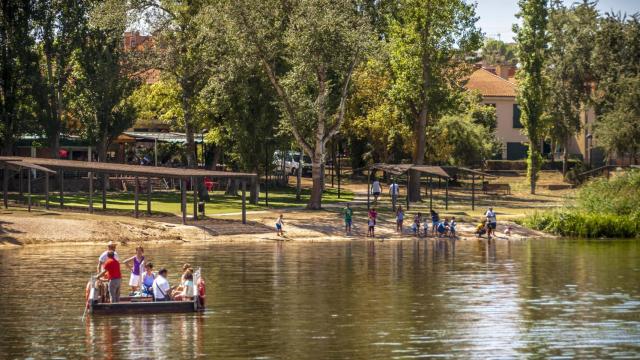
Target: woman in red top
{"type": "Point", "coordinates": [112, 270]}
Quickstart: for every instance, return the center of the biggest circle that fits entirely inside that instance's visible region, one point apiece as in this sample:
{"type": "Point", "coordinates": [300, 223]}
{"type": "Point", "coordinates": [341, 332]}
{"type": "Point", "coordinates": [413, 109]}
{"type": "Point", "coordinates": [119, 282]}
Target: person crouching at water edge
{"type": "Point", "coordinates": [113, 276]}
{"type": "Point", "coordinates": [279, 225]}
{"type": "Point", "coordinates": [137, 260]}
{"type": "Point", "coordinates": [161, 288]}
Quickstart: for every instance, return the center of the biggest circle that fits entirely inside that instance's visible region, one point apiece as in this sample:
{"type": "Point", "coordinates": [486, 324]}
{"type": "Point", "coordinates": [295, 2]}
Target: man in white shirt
{"type": "Point", "coordinates": [376, 190]}
{"type": "Point", "coordinates": [111, 246]}
{"type": "Point", "coordinates": [161, 288]}
{"type": "Point", "coordinates": [491, 222]}
{"type": "Point", "coordinates": [394, 191]}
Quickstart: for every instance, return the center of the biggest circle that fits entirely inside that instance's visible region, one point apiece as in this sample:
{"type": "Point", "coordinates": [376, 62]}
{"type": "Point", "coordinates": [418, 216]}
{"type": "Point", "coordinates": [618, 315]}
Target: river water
{"type": "Point", "coordinates": [360, 299]}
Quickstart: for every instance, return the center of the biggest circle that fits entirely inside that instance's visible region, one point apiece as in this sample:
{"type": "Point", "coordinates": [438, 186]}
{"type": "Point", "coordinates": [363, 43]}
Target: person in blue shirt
{"type": "Point", "coordinates": [435, 219]}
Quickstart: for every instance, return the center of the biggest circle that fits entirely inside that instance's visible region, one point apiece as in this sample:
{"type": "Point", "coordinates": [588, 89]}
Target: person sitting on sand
{"type": "Point", "coordinates": [147, 280]}
{"type": "Point", "coordinates": [279, 225]}
{"type": "Point", "coordinates": [185, 291]}
{"type": "Point", "coordinates": [137, 260]}
{"type": "Point", "coordinates": [111, 246]}
{"type": "Point", "coordinates": [452, 228]}
{"type": "Point", "coordinates": [161, 287]}
{"type": "Point", "coordinates": [114, 277]}
{"type": "Point", "coordinates": [507, 231]}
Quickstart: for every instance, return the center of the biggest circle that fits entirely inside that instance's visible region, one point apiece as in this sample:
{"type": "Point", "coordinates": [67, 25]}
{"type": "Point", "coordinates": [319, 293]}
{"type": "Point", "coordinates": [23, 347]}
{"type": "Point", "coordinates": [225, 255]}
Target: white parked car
{"type": "Point", "coordinates": [292, 162]}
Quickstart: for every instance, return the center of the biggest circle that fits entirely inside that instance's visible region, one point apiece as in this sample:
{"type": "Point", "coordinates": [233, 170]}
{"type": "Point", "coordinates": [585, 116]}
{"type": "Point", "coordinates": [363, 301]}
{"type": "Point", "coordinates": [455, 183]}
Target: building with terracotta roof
{"type": "Point", "coordinates": [497, 86]}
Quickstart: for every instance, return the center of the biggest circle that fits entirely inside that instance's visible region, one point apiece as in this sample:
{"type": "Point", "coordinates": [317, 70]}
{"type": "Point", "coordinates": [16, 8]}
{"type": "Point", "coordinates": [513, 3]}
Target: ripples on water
{"type": "Point", "coordinates": [360, 299]}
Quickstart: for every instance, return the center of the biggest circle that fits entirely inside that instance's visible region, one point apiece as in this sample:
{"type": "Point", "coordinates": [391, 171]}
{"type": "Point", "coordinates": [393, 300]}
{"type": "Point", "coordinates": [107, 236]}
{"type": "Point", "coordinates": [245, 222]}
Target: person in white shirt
{"type": "Point", "coordinates": [376, 190]}
{"type": "Point", "coordinates": [111, 246]}
{"type": "Point", "coordinates": [394, 191]}
{"type": "Point", "coordinates": [491, 222]}
{"type": "Point", "coordinates": [161, 288]}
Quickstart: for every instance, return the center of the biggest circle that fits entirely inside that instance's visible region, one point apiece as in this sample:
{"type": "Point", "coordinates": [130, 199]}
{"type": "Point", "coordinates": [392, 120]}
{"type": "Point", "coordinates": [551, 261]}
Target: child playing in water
{"type": "Point", "coordinates": [452, 228]}
{"type": "Point", "coordinates": [372, 226]}
{"type": "Point", "coordinates": [416, 222]}
{"type": "Point", "coordinates": [279, 224]}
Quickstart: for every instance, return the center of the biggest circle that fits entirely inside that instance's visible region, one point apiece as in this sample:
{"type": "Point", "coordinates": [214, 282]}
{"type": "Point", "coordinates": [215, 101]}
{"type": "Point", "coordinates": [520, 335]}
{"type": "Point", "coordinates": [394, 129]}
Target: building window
{"type": "Point", "coordinates": [517, 151]}
{"type": "Point", "coordinates": [516, 117]}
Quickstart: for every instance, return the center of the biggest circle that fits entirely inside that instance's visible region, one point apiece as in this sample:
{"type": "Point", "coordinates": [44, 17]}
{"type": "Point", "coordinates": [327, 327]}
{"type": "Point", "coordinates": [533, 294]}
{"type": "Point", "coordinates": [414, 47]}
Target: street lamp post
{"type": "Point", "coordinates": [590, 147]}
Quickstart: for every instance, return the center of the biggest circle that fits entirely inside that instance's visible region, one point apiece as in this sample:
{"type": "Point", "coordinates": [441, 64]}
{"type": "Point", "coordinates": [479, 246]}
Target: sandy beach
{"type": "Point", "coordinates": [21, 228]}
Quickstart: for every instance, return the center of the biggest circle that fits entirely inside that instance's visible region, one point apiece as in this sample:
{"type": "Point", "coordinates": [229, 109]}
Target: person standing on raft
{"type": "Point", "coordinates": [136, 270]}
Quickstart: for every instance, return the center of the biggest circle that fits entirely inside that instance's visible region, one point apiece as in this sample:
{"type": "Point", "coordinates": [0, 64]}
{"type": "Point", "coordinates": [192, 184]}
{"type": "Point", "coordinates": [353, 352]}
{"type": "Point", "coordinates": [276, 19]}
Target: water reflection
{"type": "Point", "coordinates": [361, 299]}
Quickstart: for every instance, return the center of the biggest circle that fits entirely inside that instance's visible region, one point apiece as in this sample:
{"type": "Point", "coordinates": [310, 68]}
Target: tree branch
{"type": "Point", "coordinates": [343, 100]}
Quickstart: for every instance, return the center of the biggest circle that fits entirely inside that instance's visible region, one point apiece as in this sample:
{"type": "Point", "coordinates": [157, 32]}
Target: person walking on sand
{"type": "Point", "coordinates": [376, 189]}
{"type": "Point", "coordinates": [137, 260]}
{"type": "Point", "coordinates": [347, 212]}
{"type": "Point", "coordinates": [399, 219]}
{"type": "Point", "coordinates": [111, 246]}
{"type": "Point", "coordinates": [279, 225]}
{"type": "Point", "coordinates": [114, 277]}
{"type": "Point", "coordinates": [394, 191]}
{"type": "Point", "coordinates": [491, 222]}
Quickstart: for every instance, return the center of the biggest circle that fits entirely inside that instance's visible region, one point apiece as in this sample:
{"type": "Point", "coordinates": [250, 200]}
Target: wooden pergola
{"type": "Point", "coordinates": [53, 166]}
{"type": "Point", "coordinates": [440, 172]}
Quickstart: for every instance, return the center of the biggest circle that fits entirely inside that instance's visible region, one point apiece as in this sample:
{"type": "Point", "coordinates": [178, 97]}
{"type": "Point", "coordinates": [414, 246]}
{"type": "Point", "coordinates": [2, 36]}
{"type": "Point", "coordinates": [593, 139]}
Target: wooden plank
{"type": "Point", "coordinates": [22, 164]}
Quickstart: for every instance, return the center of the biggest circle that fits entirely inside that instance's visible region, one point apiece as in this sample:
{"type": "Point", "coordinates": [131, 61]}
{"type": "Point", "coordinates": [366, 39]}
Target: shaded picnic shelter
{"type": "Point", "coordinates": [445, 173]}
{"type": "Point", "coordinates": [56, 166]}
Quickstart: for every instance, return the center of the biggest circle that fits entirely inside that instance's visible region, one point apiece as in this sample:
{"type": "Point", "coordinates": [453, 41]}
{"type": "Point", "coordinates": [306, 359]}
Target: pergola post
{"type": "Point", "coordinates": [61, 188]}
{"type": "Point", "coordinates": [105, 183]}
{"type": "Point", "coordinates": [369, 189]}
{"type": "Point", "coordinates": [20, 192]}
{"type": "Point", "coordinates": [29, 189]}
{"type": "Point", "coordinates": [473, 192]}
{"type": "Point", "coordinates": [5, 186]}
{"type": "Point", "coordinates": [244, 201]}
{"type": "Point", "coordinates": [194, 186]}
{"type": "Point", "coordinates": [135, 198]}
{"type": "Point", "coordinates": [408, 187]}
{"type": "Point", "coordinates": [183, 200]}
{"type": "Point", "coordinates": [430, 193]}
{"type": "Point", "coordinates": [90, 192]}
{"type": "Point", "coordinates": [46, 190]}
{"type": "Point", "coordinates": [149, 195]}
{"type": "Point", "coordinates": [446, 194]}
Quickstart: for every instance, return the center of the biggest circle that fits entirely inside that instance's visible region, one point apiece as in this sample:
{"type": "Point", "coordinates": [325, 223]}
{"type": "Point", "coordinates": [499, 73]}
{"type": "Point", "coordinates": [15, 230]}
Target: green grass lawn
{"type": "Point", "coordinates": [169, 202]}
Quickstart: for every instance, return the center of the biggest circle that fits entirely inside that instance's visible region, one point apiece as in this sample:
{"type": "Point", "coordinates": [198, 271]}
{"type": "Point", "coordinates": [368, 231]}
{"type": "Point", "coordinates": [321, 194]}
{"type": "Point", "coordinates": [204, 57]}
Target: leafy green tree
{"type": "Point", "coordinates": [184, 54]}
{"type": "Point", "coordinates": [429, 43]}
{"type": "Point", "coordinates": [309, 50]}
{"type": "Point", "coordinates": [572, 34]}
{"type": "Point", "coordinates": [497, 52]}
{"type": "Point", "coordinates": [19, 80]}
{"type": "Point", "coordinates": [59, 28]}
{"type": "Point", "coordinates": [102, 82]}
{"type": "Point", "coordinates": [532, 39]}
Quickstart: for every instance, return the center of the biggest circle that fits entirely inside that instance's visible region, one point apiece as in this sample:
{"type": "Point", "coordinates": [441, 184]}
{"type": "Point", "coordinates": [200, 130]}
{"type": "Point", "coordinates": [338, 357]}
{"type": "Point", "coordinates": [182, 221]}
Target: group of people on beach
{"type": "Point", "coordinates": [144, 282]}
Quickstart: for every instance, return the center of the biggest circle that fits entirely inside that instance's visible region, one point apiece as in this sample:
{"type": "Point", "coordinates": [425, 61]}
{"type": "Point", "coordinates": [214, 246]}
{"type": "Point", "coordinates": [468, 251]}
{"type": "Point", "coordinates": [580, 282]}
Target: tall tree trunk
{"type": "Point", "coordinates": [315, 201]}
{"type": "Point", "coordinates": [188, 127]}
{"type": "Point", "coordinates": [533, 175]}
{"type": "Point", "coordinates": [565, 157]}
{"type": "Point", "coordinates": [419, 146]}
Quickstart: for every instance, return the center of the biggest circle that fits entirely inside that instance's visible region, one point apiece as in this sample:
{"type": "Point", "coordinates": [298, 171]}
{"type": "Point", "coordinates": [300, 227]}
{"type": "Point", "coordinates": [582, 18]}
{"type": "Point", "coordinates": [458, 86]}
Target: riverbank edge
{"type": "Point", "coordinates": [19, 228]}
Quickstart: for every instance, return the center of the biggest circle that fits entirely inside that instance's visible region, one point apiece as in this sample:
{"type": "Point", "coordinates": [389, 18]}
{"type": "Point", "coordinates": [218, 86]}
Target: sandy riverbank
{"type": "Point", "coordinates": [19, 228]}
